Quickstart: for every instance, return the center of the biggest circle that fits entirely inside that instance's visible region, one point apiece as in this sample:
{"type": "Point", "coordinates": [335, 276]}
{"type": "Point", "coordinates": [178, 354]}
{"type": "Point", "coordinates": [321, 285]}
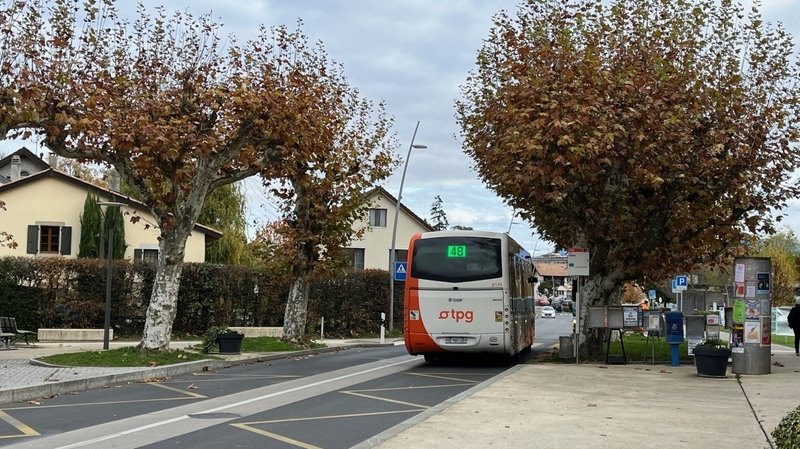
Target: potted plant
{"type": "Point", "coordinates": [711, 357]}
{"type": "Point", "coordinates": [228, 341]}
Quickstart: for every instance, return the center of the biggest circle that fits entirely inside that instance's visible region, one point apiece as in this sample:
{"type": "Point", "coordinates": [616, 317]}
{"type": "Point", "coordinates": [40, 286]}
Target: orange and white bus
{"type": "Point", "coordinates": [468, 292]}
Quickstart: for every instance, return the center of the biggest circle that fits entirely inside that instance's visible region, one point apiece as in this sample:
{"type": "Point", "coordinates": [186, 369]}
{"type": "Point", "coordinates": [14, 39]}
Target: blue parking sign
{"type": "Point", "coordinates": [400, 271]}
{"type": "Point", "coordinates": [682, 280]}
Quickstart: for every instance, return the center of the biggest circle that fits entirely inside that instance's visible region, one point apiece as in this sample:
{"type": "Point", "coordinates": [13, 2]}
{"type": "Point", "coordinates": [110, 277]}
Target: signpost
{"type": "Point", "coordinates": [680, 283]}
{"type": "Point", "coordinates": [577, 266]}
{"type": "Point", "coordinates": [578, 262]}
{"type": "Point", "coordinates": [400, 271]}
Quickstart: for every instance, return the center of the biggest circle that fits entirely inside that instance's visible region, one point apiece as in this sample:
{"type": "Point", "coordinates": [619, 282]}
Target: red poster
{"type": "Point", "coordinates": [740, 289]}
{"type": "Point", "coordinates": [766, 330]}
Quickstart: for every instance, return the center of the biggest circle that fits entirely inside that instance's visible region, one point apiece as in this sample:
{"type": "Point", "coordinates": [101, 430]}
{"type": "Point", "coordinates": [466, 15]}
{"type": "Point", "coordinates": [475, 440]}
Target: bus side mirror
{"type": "Point", "coordinates": [532, 280]}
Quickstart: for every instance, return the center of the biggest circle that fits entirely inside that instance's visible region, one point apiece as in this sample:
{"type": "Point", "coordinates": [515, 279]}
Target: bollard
{"type": "Point", "coordinates": [383, 328]}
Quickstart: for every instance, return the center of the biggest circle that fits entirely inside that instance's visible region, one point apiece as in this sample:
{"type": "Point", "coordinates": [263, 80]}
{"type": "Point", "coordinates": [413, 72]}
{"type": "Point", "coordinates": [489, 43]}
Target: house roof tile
{"type": "Point", "coordinates": [558, 269]}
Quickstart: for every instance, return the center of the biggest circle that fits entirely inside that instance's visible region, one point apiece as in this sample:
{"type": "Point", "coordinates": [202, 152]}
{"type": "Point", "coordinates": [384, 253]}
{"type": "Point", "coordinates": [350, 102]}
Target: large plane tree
{"type": "Point", "coordinates": [655, 133]}
{"type": "Point", "coordinates": [176, 109]}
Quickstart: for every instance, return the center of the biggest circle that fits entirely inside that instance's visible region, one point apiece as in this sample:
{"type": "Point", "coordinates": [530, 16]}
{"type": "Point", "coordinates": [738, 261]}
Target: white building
{"type": "Point", "coordinates": [373, 248]}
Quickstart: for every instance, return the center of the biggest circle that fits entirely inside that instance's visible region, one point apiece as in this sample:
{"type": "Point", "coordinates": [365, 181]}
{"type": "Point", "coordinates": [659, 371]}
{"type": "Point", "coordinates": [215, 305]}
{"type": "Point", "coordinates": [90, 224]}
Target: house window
{"type": "Point", "coordinates": [147, 255]}
{"type": "Point", "coordinates": [377, 218]}
{"type": "Point", "coordinates": [48, 239]}
{"type": "Point", "coordinates": [150, 255]}
{"type": "Point", "coordinates": [400, 255]}
{"type": "Point", "coordinates": [355, 256]}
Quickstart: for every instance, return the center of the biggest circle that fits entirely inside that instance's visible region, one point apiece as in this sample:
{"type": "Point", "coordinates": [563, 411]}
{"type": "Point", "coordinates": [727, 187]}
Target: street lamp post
{"type": "Point", "coordinates": [394, 228]}
{"type": "Point", "coordinates": [109, 262]}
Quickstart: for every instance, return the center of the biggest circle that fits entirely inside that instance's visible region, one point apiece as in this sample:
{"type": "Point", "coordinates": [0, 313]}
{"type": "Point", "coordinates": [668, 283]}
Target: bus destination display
{"type": "Point", "coordinates": [456, 251]}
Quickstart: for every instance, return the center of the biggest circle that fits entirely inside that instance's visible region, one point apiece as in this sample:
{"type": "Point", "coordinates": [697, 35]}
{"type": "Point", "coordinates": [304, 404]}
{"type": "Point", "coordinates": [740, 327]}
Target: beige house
{"type": "Point", "coordinates": [44, 205]}
{"type": "Point", "coordinates": [372, 250]}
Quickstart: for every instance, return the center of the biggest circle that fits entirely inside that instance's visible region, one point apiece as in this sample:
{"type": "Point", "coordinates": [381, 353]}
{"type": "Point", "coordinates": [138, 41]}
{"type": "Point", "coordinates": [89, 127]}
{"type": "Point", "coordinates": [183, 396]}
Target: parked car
{"type": "Point", "coordinates": [548, 312]}
{"type": "Point", "coordinates": [542, 301]}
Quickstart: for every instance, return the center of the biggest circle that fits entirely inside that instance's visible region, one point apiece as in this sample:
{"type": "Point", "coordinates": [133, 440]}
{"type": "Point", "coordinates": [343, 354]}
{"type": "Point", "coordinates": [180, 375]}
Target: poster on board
{"type": "Point", "coordinates": [739, 273]}
{"type": "Point", "coordinates": [630, 317]}
{"type": "Point", "coordinates": [752, 332]}
{"type": "Point", "coordinates": [752, 310]}
{"type": "Point", "coordinates": [763, 283]}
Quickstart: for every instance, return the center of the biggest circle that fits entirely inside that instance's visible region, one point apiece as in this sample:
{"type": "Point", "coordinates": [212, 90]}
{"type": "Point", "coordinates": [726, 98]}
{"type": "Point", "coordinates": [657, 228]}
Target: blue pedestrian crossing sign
{"type": "Point", "coordinates": [400, 271]}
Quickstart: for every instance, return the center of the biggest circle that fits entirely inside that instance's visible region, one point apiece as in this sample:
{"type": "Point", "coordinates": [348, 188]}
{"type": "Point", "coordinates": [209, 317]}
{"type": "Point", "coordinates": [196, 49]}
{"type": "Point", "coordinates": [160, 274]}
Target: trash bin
{"type": "Point", "coordinates": [566, 347]}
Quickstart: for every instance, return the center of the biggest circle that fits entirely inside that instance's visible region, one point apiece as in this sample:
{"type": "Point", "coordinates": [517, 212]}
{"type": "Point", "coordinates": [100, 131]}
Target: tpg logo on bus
{"type": "Point", "coordinates": [458, 315]}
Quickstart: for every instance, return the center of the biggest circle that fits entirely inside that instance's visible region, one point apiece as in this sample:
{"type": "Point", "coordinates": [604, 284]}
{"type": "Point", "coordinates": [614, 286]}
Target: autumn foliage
{"type": "Point", "coordinates": [656, 133]}
{"type": "Point", "coordinates": [177, 109]}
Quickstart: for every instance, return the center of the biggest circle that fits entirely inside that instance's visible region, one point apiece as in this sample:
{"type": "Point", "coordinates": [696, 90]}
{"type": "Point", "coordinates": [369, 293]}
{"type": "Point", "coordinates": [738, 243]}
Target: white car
{"type": "Point", "coordinates": [548, 312]}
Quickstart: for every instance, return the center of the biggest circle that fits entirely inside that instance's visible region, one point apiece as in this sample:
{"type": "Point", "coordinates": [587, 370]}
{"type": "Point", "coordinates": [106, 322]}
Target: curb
{"type": "Point", "coordinates": [149, 374]}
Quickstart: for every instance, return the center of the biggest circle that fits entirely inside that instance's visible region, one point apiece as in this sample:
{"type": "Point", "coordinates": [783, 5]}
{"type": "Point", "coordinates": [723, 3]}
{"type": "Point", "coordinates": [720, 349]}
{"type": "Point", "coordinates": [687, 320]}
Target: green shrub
{"type": "Point", "coordinates": [70, 293]}
{"type": "Point", "coordinates": [787, 434]}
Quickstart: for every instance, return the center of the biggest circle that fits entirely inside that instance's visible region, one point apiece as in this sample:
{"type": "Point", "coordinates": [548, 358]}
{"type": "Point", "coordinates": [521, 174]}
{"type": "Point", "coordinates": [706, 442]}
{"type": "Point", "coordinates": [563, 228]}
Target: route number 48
{"type": "Point", "coordinates": [456, 251]}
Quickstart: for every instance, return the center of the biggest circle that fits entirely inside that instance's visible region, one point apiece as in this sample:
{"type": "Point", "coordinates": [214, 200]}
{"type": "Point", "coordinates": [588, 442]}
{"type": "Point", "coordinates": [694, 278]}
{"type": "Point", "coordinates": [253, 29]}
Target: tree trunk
{"type": "Point", "coordinates": [164, 300]}
{"type": "Point", "coordinates": [294, 321]}
{"type": "Point", "coordinates": [597, 290]}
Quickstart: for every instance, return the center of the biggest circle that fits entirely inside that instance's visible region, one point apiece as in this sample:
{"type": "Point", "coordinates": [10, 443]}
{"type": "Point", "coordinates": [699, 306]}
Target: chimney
{"type": "Point", "coordinates": [53, 161]}
{"type": "Point", "coordinates": [113, 180]}
{"type": "Point", "coordinates": [16, 165]}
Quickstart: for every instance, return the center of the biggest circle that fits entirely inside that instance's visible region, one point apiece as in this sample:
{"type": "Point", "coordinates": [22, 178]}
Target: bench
{"type": "Point", "coordinates": [73, 334]}
{"type": "Point", "coordinates": [8, 325]}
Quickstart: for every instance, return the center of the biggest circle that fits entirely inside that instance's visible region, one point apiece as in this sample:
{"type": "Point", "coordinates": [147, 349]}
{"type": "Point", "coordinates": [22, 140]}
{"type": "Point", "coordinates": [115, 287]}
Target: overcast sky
{"type": "Point", "coordinates": [413, 54]}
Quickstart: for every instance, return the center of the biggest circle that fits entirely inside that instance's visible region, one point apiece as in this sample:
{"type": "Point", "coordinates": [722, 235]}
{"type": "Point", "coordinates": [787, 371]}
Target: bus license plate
{"type": "Point", "coordinates": [456, 340]}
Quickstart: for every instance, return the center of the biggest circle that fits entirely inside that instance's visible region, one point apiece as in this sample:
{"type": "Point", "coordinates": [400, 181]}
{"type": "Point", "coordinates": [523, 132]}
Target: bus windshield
{"type": "Point", "coordinates": [457, 259]}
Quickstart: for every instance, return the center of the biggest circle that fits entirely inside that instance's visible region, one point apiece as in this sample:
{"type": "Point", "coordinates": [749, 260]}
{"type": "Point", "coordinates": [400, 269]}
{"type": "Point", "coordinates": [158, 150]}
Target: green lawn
{"type": "Point", "coordinates": [124, 357]}
{"type": "Point", "coordinates": [639, 349]}
{"type": "Point", "coordinates": [132, 357]}
{"type": "Point", "coordinates": [784, 340]}
{"type": "Point", "coordinates": [272, 344]}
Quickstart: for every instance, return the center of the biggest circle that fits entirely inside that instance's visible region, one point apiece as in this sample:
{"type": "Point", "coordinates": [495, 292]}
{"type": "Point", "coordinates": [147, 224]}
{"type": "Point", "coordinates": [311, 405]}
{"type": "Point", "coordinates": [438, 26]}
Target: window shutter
{"type": "Point", "coordinates": [137, 254]}
{"type": "Point", "coordinates": [33, 239]}
{"type": "Point", "coordinates": [66, 240]}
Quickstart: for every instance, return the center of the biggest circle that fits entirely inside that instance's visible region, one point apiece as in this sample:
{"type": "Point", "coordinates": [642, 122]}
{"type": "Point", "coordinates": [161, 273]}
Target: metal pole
{"type": "Point", "coordinates": [578, 320]}
{"type": "Point", "coordinates": [394, 232]}
{"type": "Point", "coordinates": [109, 261]}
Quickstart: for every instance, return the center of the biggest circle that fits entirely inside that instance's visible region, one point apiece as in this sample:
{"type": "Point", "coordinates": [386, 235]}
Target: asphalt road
{"type": "Point", "coordinates": [330, 400]}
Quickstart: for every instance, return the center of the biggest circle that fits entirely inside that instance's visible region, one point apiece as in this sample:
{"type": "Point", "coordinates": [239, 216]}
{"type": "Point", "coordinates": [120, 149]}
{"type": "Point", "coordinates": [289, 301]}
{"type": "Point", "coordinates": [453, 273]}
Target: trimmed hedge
{"type": "Point", "coordinates": [787, 434]}
{"type": "Point", "coordinates": [70, 293]}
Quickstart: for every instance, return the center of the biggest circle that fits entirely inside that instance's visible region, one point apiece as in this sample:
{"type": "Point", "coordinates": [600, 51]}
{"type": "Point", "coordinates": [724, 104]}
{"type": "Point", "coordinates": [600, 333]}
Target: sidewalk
{"type": "Point", "coordinates": [536, 405]}
{"type": "Point", "coordinates": [609, 406]}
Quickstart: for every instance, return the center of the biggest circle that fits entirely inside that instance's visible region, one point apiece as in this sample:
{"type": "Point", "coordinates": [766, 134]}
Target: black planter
{"type": "Point", "coordinates": [230, 343]}
{"type": "Point", "coordinates": [711, 362]}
